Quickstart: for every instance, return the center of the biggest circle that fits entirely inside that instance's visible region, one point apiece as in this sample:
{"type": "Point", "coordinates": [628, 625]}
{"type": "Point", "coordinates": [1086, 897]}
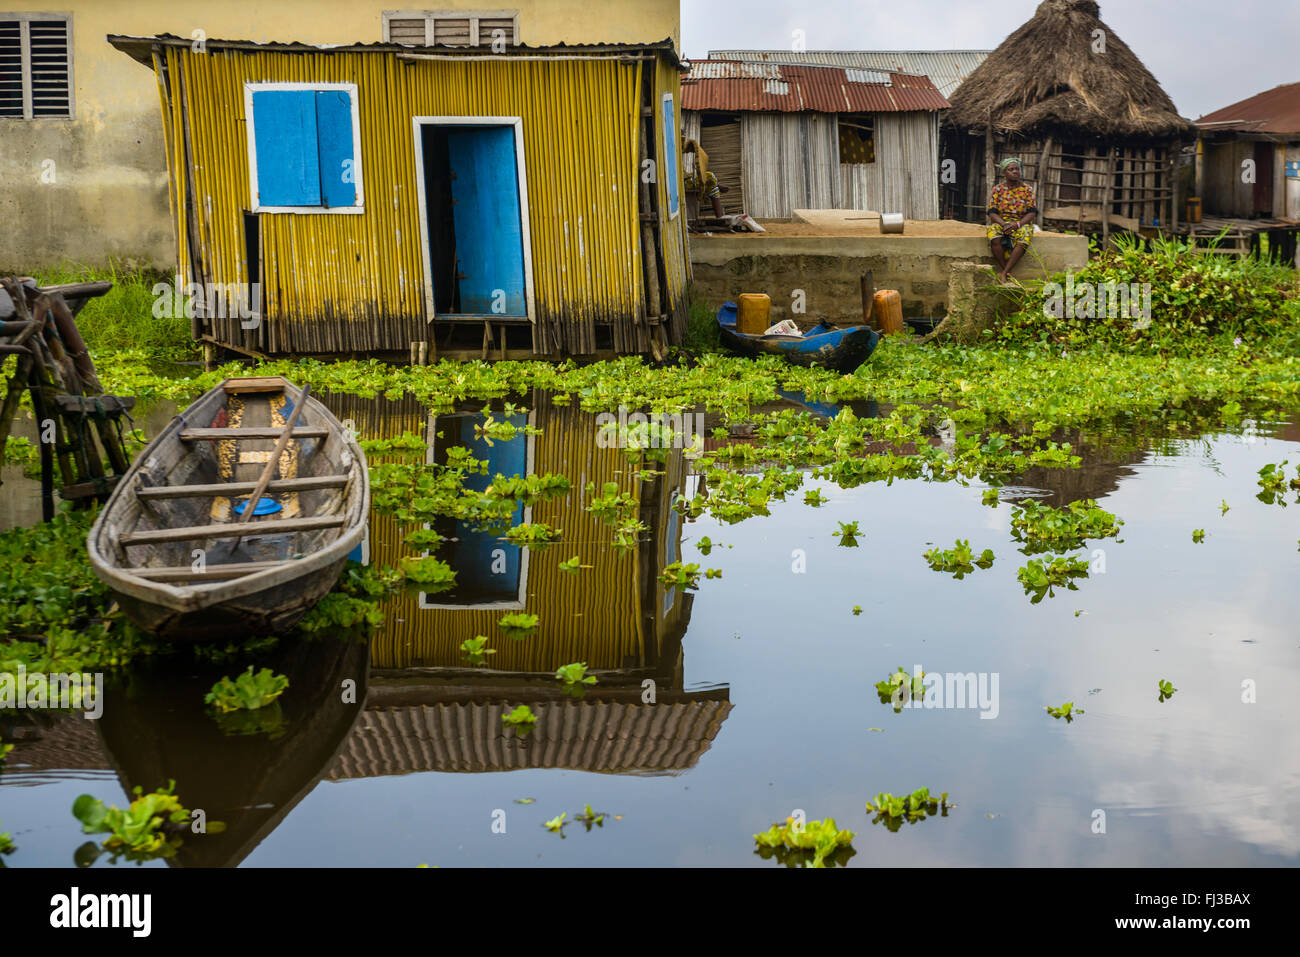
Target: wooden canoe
{"type": "Point", "coordinates": [167, 544]}
{"type": "Point", "coordinates": [840, 349]}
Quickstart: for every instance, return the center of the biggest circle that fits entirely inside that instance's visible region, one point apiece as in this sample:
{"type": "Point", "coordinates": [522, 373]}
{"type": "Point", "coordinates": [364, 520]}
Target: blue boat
{"type": "Point", "coordinates": [840, 349]}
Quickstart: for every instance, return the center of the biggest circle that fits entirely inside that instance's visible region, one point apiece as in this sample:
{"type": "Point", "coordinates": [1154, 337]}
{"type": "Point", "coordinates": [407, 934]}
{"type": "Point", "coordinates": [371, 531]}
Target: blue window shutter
{"type": "Point", "coordinates": [670, 154]}
{"type": "Point", "coordinates": [334, 136]}
{"type": "Point", "coordinates": [288, 164]}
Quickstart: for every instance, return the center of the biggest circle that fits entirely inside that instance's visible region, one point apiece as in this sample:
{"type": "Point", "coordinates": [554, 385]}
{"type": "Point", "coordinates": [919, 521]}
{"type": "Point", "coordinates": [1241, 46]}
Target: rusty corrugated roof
{"type": "Point", "coordinates": [1273, 111]}
{"type": "Point", "coordinates": [945, 68]}
{"type": "Point", "coordinates": [738, 86]}
{"type": "Point", "coordinates": [601, 736]}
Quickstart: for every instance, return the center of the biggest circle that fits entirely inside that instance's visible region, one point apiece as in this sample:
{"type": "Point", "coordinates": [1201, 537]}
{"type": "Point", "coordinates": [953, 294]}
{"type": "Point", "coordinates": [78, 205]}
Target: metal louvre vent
{"type": "Point", "coordinates": [451, 31]}
{"type": "Point", "coordinates": [11, 68]}
{"type": "Point", "coordinates": [406, 31]}
{"type": "Point", "coordinates": [49, 68]}
{"type": "Point", "coordinates": [35, 68]}
{"type": "Point", "coordinates": [452, 28]}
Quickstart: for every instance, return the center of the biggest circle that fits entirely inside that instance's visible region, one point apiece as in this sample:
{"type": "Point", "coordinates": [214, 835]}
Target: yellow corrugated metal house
{"type": "Point", "coordinates": [425, 200]}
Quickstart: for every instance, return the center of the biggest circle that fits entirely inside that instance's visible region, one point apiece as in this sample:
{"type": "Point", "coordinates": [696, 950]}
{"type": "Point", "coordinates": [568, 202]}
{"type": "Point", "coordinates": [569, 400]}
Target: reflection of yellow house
{"type": "Point", "coordinates": [428, 710]}
{"type": "Point", "coordinates": [85, 177]}
{"type": "Point", "coordinates": [614, 614]}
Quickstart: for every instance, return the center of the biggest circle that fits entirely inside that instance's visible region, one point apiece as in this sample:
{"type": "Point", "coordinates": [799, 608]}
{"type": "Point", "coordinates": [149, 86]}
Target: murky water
{"type": "Point", "coordinates": [763, 683]}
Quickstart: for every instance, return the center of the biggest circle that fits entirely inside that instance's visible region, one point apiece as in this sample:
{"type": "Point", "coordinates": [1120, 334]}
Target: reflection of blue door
{"type": "Point", "coordinates": [489, 230]}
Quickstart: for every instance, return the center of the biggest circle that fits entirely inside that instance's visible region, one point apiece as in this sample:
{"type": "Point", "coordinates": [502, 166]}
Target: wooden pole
{"type": "Point", "coordinates": [868, 286]}
{"type": "Point", "coordinates": [1043, 161]}
{"type": "Point", "coordinates": [251, 502]}
{"type": "Point", "coordinates": [1105, 196]}
{"type": "Point", "coordinates": [988, 163]}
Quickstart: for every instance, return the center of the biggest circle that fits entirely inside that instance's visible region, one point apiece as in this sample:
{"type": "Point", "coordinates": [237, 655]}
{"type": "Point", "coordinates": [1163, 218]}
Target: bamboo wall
{"type": "Point", "coordinates": [341, 282]}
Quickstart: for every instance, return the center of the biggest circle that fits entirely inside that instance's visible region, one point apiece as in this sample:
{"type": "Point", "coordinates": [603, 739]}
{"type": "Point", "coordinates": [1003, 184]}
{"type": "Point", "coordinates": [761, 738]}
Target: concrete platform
{"type": "Point", "coordinates": [825, 259]}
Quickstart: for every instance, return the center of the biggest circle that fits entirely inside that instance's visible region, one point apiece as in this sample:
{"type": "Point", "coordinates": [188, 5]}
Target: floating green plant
{"type": "Point", "coordinates": [430, 573]}
{"type": "Point", "coordinates": [1066, 711]}
{"type": "Point", "coordinates": [815, 498]}
{"type": "Point", "coordinates": [1044, 528]}
{"type": "Point", "coordinates": [900, 687]}
{"type": "Point", "coordinates": [1166, 689]}
{"type": "Point", "coordinates": [611, 506]}
{"type": "Point", "coordinates": [1223, 507]}
{"type": "Point", "coordinates": [7, 845]}
{"type": "Point", "coordinates": [572, 566]}
{"type": "Point", "coordinates": [959, 559]}
{"type": "Point", "coordinates": [1272, 484]}
{"type": "Point", "coordinates": [704, 545]}
{"type": "Point", "coordinates": [893, 811]}
{"type": "Point", "coordinates": [848, 533]}
{"type": "Point", "coordinates": [536, 535]}
{"type": "Point", "coordinates": [809, 844]}
{"type": "Point", "coordinates": [1198, 535]}
{"type": "Point", "coordinates": [990, 496]}
{"type": "Point", "coordinates": [575, 678]}
{"type": "Point", "coordinates": [247, 692]}
{"type": "Point", "coordinates": [857, 610]}
{"type": "Point", "coordinates": [518, 624]}
{"type": "Point", "coordinates": [1039, 577]}
{"type": "Point", "coordinates": [475, 650]}
{"type": "Point", "coordinates": [522, 720]}
{"type": "Point", "coordinates": [681, 576]}
{"type": "Point", "coordinates": [556, 824]}
{"type": "Point", "coordinates": [148, 828]}
{"type": "Point", "coordinates": [590, 817]}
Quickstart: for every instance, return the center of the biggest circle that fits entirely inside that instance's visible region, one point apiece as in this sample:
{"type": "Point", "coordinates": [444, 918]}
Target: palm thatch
{"type": "Point", "coordinates": [1046, 77]}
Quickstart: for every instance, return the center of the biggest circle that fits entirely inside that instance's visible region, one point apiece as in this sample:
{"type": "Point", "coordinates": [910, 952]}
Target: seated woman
{"type": "Point", "coordinates": [1011, 211]}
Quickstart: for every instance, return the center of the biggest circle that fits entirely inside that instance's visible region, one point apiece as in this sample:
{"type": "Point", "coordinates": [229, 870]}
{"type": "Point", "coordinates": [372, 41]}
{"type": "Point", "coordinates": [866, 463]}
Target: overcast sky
{"type": "Point", "coordinates": [1205, 53]}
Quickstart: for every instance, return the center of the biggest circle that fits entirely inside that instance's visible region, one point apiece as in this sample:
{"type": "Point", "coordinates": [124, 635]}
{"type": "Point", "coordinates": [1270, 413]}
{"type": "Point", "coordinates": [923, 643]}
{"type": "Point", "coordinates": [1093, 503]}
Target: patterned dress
{"type": "Point", "coordinates": [1011, 203]}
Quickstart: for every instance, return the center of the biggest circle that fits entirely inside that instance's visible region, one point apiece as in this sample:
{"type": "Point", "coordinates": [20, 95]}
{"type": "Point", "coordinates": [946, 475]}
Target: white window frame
{"type": "Point", "coordinates": [521, 172]}
{"type": "Point", "coordinates": [358, 205]}
{"type": "Point", "coordinates": [473, 16]}
{"type": "Point", "coordinates": [677, 151]}
{"type": "Point", "coordinates": [424, 601]}
{"type": "Point", "coordinates": [25, 62]}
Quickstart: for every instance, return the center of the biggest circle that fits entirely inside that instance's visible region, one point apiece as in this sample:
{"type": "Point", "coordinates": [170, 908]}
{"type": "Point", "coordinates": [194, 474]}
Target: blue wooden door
{"type": "Point", "coordinates": [489, 230]}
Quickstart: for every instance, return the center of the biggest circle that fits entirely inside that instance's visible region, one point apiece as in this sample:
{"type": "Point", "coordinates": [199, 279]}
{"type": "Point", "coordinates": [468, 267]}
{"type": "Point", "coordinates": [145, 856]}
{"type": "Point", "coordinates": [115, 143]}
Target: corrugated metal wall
{"type": "Point", "coordinates": [791, 161]}
{"type": "Point", "coordinates": [342, 282]}
{"type": "Point", "coordinates": [905, 177]}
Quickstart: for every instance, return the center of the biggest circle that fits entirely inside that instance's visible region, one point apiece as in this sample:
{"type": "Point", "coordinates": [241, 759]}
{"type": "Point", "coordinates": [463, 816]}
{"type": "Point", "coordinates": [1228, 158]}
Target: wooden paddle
{"type": "Point", "coordinates": [265, 479]}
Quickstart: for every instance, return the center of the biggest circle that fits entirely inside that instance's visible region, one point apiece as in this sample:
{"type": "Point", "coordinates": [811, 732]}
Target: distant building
{"type": "Point", "coordinates": [787, 136]}
{"type": "Point", "coordinates": [1249, 156]}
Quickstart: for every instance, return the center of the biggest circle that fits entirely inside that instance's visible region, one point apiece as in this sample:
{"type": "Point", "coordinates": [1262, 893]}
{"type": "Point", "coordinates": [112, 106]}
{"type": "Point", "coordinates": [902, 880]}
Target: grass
{"type": "Point", "coordinates": [123, 318]}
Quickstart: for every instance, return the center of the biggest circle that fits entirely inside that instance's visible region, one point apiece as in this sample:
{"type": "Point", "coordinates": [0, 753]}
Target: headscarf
{"type": "Point", "coordinates": [1002, 166]}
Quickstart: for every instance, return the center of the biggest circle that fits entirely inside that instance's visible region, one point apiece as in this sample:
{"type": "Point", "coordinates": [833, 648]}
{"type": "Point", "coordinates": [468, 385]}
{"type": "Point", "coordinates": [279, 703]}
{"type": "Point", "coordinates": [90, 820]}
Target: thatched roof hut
{"type": "Point", "coordinates": [1049, 76]}
{"type": "Point", "coordinates": [1067, 94]}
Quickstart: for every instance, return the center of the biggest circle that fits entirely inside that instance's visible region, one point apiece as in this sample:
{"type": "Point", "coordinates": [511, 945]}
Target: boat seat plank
{"type": "Point", "coordinates": [267, 383]}
{"type": "Point", "coordinates": [185, 573]}
{"type": "Point", "coordinates": [265, 527]}
{"type": "Point", "coordinates": [303, 432]}
{"type": "Point", "coordinates": [241, 488]}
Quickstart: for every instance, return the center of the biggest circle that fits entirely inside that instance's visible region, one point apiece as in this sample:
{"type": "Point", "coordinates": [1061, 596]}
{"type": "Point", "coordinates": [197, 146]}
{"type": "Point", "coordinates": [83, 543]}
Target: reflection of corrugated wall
{"type": "Point", "coordinates": [600, 736]}
{"type": "Point", "coordinates": [594, 616]}
{"type": "Point", "coordinates": [338, 282]}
